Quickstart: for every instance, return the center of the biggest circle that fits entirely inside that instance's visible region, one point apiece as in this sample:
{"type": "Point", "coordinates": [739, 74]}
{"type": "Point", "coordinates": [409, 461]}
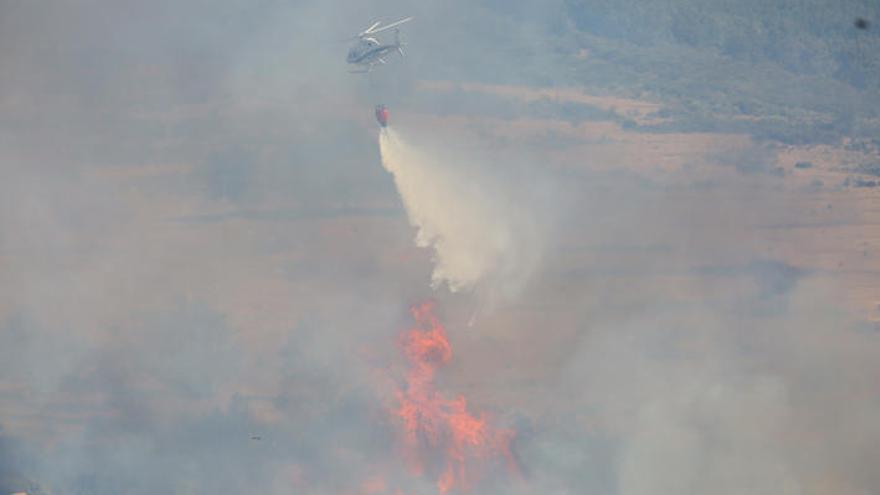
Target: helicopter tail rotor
{"type": "Point", "coordinates": [399, 44]}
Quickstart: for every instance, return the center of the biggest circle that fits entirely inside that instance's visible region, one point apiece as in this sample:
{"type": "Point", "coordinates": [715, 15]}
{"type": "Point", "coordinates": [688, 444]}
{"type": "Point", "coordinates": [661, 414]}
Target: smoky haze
{"type": "Point", "coordinates": [205, 268]}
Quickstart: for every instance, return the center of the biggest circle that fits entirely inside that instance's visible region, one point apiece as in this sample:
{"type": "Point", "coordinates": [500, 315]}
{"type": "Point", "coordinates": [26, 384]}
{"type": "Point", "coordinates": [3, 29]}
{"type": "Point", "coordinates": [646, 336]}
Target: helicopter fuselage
{"type": "Point", "coordinates": [368, 51]}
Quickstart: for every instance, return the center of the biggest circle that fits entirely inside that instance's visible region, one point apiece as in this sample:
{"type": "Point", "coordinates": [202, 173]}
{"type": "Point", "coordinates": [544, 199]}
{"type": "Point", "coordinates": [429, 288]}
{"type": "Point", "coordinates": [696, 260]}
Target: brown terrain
{"type": "Point", "coordinates": [659, 218]}
{"type": "Point", "coordinates": [676, 242]}
{"type": "Point", "coordinates": [817, 217]}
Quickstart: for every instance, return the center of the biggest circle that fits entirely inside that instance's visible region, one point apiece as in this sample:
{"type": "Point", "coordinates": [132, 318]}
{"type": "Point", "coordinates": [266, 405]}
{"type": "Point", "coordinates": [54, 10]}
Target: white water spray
{"type": "Point", "coordinates": [479, 236]}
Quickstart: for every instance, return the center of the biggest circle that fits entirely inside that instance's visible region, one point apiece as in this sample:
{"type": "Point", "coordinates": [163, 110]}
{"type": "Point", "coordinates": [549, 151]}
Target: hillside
{"type": "Point", "coordinates": [791, 71]}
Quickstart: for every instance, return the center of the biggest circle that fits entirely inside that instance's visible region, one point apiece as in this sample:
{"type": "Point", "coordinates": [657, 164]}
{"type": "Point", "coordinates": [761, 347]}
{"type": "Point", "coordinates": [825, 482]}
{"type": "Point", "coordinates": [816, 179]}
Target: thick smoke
{"type": "Point", "coordinates": [203, 263]}
{"type": "Point", "coordinates": [480, 234]}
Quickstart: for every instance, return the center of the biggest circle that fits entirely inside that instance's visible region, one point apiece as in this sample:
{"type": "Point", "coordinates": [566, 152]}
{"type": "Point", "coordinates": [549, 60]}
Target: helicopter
{"type": "Point", "coordinates": [369, 51]}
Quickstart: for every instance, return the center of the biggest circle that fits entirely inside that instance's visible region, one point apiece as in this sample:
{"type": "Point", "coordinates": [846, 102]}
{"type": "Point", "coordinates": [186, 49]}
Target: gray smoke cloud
{"type": "Point", "coordinates": [204, 267]}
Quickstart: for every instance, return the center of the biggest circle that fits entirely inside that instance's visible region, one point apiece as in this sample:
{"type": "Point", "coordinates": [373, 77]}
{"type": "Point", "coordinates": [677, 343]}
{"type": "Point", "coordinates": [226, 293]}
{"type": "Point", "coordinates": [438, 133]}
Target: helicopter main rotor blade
{"type": "Point", "coordinates": [370, 29]}
{"type": "Point", "coordinates": [383, 28]}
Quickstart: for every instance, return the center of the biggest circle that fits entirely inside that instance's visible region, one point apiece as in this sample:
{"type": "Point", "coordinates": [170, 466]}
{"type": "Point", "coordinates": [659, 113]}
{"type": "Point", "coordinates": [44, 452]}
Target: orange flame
{"type": "Point", "coordinates": [431, 423]}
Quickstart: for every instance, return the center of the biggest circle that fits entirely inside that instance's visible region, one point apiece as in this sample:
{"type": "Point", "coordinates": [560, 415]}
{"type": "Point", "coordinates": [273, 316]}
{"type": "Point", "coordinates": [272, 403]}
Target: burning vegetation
{"type": "Point", "coordinates": [441, 439]}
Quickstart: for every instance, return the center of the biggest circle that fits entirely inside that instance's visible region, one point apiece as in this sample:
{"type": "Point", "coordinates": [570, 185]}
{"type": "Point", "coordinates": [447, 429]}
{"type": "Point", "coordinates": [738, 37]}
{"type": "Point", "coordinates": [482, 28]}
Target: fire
{"type": "Point", "coordinates": [439, 434]}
